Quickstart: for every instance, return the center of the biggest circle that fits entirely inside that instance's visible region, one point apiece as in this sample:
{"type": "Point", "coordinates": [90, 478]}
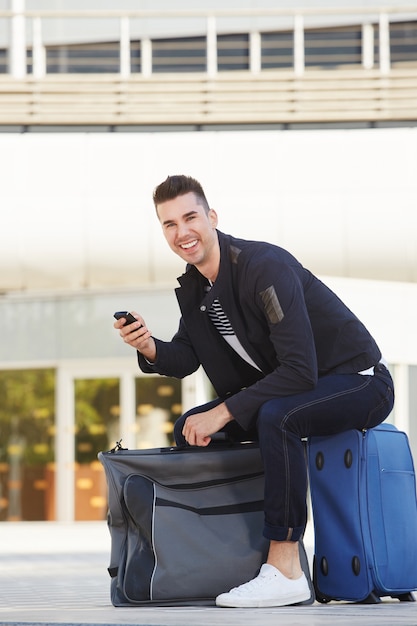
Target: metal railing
{"type": "Point", "coordinates": [27, 26]}
{"type": "Point", "coordinates": [375, 85]}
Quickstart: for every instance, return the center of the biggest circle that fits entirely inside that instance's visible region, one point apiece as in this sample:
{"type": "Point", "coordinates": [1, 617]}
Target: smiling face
{"type": "Point", "coordinates": [191, 232]}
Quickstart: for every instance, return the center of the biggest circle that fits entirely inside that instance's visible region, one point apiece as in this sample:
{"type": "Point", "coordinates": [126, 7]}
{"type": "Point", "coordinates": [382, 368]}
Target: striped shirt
{"type": "Point", "coordinates": [220, 319]}
{"type": "Point", "coordinates": [222, 323]}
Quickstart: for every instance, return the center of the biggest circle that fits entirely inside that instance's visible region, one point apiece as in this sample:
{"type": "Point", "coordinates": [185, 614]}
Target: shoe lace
{"type": "Point", "coordinates": [253, 584]}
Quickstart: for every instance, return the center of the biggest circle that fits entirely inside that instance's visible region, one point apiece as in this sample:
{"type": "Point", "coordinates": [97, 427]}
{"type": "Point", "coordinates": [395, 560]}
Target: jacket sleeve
{"type": "Point", "coordinates": [278, 294]}
{"type": "Point", "coordinates": [174, 358]}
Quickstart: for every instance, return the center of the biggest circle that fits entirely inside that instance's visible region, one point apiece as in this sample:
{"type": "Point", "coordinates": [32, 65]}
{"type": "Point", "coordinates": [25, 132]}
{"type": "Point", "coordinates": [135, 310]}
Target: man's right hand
{"type": "Point", "coordinates": [138, 336]}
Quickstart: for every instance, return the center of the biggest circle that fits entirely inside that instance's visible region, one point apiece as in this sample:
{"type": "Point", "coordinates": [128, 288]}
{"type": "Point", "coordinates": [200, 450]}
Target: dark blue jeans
{"type": "Point", "coordinates": [339, 402]}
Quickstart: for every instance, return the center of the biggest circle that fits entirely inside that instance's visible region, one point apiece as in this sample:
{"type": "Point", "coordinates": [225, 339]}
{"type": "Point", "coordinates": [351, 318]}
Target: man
{"type": "Point", "coordinates": [286, 357]}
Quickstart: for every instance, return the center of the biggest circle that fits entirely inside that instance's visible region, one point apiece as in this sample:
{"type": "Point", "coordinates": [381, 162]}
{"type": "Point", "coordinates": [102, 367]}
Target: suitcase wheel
{"type": "Point", "coordinates": [348, 458]}
{"type": "Point", "coordinates": [356, 565]}
{"type": "Point", "coordinates": [405, 597]}
{"type": "Point", "coordinates": [373, 598]}
{"type": "Point", "coordinates": [319, 596]}
{"type": "Point", "coordinates": [319, 460]}
{"type": "Point", "coordinates": [324, 566]}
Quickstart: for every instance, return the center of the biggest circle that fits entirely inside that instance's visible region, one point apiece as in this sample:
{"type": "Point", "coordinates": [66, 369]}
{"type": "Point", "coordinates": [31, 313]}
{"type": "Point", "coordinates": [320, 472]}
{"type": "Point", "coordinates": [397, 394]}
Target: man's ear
{"type": "Point", "coordinates": [213, 219]}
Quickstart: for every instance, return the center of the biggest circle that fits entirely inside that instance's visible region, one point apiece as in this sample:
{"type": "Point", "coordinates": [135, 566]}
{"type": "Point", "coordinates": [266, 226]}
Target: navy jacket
{"type": "Point", "coordinates": [293, 326]}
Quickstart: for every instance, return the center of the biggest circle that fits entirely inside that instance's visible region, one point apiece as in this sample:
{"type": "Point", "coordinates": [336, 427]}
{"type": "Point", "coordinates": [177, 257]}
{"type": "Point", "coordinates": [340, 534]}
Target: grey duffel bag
{"type": "Point", "coordinates": [185, 523]}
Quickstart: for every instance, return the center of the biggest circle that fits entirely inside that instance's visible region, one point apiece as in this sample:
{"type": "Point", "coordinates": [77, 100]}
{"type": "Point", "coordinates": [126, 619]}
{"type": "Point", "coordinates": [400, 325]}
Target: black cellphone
{"type": "Point", "coordinates": [128, 316]}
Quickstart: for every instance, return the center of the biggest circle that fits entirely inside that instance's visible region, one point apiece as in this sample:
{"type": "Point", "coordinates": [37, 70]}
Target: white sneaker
{"type": "Point", "coordinates": [269, 588]}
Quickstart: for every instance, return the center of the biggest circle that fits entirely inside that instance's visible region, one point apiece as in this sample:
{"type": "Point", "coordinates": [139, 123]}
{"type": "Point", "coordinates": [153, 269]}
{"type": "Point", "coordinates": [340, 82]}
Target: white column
{"type": "Point", "coordinates": [299, 61]}
{"type": "Point", "coordinates": [146, 57]}
{"type": "Point", "coordinates": [384, 49]}
{"type": "Point", "coordinates": [402, 395]}
{"type": "Point", "coordinates": [211, 46]}
{"type": "Point", "coordinates": [255, 52]}
{"type": "Point", "coordinates": [127, 410]}
{"type": "Point", "coordinates": [38, 50]}
{"type": "Point", "coordinates": [18, 40]}
{"type": "Point", "coordinates": [367, 46]}
{"type": "Point", "coordinates": [202, 386]}
{"type": "Point", "coordinates": [124, 47]}
{"type": "Point", "coordinates": [64, 447]}
{"type": "Point", "coordinates": [194, 390]}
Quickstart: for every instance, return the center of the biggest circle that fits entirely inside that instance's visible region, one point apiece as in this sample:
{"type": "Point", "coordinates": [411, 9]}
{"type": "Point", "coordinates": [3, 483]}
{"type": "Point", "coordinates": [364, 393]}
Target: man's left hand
{"type": "Point", "coordinates": [199, 427]}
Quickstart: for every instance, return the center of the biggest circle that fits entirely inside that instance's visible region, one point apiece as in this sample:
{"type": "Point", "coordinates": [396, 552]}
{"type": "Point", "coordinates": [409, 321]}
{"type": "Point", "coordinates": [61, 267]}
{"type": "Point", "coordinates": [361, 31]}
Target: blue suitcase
{"type": "Point", "coordinates": [363, 494]}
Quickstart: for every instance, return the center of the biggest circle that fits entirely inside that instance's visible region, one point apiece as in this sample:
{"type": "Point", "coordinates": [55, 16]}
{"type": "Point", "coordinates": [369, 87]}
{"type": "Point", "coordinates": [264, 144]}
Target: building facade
{"type": "Point", "coordinates": [300, 153]}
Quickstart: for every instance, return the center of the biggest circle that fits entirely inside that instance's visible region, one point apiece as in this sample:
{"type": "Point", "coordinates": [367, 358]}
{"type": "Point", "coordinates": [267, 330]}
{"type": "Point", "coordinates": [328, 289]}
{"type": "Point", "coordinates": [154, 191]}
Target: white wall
{"type": "Point", "coordinates": [76, 208]}
{"type": "Point", "coordinates": [77, 218]}
{"type": "Point", "coordinates": [388, 310]}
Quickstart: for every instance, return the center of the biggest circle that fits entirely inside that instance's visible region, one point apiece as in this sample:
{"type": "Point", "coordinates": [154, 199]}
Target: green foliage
{"type": "Point", "coordinates": [27, 418]}
{"type": "Point", "coordinates": [94, 401]}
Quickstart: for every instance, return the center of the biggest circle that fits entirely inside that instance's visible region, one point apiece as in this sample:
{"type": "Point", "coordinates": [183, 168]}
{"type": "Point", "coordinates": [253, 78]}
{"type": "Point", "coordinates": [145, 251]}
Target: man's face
{"type": "Point", "coordinates": [188, 229]}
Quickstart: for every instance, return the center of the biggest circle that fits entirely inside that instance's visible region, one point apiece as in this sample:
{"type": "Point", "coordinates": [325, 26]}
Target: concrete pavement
{"type": "Point", "coordinates": [52, 573]}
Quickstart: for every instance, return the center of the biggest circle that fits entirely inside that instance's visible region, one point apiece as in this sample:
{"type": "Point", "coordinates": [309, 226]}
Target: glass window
{"type": "Point", "coordinates": [403, 43]}
{"type": "Point", "coordinates": [158, 405]}
{"type": "Point", "coordinates": [185, 54]}
{"type": "Point", "coordinates": [135, 56]}
{"type": "Point", "coordinates": [3, 61]}
{"type": "Point", "coordinates": [94, 58]}
{"type": "Point", "coordinates": [96, 429]}
{"type": "Point", "coordinates": [233, 52]}
{"type": "Point", "coordinates": [27, 437]}
{"type": "Point", "coordinates": [277, 50]}
{"type": "Point", "coordinates": [324, 47]}
{"type": "Point", "coordinates": [333, 47]}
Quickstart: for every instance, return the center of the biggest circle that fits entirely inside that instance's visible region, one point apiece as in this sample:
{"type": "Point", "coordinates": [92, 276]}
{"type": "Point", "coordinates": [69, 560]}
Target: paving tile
{"type": "Point", "coordinates": [57, 574]}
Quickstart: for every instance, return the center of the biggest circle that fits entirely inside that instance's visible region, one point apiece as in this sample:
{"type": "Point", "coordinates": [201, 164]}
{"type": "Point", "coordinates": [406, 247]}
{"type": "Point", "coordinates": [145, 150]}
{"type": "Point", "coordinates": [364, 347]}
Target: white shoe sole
{"type": "Point", "coordinates": [228, 600]}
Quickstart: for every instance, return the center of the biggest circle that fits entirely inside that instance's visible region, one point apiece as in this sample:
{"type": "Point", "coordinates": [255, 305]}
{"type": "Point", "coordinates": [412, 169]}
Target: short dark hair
{"type": "Point", "coordinates": [174, 186]}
